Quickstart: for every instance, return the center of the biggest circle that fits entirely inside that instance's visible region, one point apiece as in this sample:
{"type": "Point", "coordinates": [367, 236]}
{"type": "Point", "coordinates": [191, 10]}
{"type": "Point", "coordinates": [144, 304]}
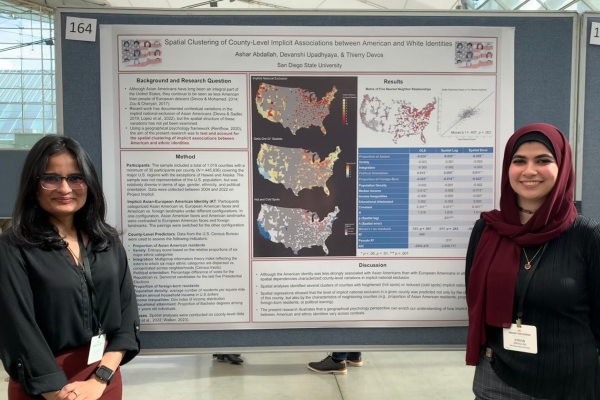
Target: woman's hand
{"type": "Point", "coordinates": [50, 395]}
{"type": "Point", "coordinates": [91, 389]}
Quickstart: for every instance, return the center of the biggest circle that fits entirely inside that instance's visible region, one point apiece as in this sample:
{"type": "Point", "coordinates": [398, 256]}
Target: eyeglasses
{"type": "Point", "coordinates": [53, 181]}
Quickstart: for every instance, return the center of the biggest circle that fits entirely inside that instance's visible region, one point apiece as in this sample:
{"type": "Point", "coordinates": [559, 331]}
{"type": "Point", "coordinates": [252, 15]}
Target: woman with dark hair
{"type": "Point", "coordinates": [533, 280]}
{"type": "Point", "coordinates": [68, 307]}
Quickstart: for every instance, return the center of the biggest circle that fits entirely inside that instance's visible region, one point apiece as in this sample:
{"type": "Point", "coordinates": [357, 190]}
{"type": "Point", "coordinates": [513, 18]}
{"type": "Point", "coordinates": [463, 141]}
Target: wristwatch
{"type": "Point", "coordinates": [104, 374]}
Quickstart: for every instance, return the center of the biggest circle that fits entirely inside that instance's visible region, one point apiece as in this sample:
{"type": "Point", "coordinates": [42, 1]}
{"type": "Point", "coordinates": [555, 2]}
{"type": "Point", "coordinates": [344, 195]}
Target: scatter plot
{"type": "Point", "coordinates": [467, 115]}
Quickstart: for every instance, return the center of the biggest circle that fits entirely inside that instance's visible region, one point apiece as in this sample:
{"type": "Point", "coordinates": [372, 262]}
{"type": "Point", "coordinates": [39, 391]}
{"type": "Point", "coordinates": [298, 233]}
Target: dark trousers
{"type": "Point", "coordinates": [75, 366]}
{"type": "Point", "coordinates": [488, 386]}
{"type": "Point", "coordinates": [344, 356]}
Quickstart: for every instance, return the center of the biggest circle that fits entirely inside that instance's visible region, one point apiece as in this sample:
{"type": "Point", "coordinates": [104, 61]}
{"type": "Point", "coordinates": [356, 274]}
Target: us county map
{"type": "Point", "coordinates": [294, 108]}
{"type": "Point", "coordinates": [295, 228]}
{"type": "Point", "coordinates": [401, 119]}
{"type": "Point", "coordinates": [295, 169]}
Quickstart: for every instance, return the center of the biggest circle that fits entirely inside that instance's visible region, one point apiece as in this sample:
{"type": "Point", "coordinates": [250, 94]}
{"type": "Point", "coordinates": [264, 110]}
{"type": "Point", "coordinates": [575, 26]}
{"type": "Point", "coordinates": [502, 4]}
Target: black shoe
{"type": "Point", "coordinates": [329, 366]}
{"type": "Point", "coordinates": [220, 357]}
{"type": "Point", "coordinates": [233, 358]}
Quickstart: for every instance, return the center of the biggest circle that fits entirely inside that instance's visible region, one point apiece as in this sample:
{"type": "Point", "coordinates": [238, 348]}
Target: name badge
{"type": "Point", "coordinates": [96, 348]}
{"type": "Point", "coordinates": [523, 338]}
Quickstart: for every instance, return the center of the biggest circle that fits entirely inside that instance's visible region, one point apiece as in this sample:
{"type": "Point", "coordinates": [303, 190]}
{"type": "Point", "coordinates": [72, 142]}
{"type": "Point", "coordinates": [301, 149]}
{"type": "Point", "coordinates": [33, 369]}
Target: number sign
{"type": "Point", "coordinates": [595, 33]}
{"type": "Point", "coordinates": [81, 29]}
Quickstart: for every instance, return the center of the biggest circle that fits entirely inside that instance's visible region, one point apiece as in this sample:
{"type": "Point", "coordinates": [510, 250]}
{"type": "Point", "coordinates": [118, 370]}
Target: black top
{"type": "Point", "coordinates": [46, 309]}
{"type": "Point", "coordinates": [563, 303]}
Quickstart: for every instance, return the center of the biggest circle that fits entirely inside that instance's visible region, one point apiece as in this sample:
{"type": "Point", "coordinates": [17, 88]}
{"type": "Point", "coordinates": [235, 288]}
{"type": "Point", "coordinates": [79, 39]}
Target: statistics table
{"type": "Point", "coordinates": [424, 197]}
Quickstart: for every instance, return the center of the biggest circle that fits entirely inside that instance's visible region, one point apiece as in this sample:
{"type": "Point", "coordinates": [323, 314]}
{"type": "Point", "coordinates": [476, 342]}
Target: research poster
{"type": "Point", "coordinates": [294, 177]}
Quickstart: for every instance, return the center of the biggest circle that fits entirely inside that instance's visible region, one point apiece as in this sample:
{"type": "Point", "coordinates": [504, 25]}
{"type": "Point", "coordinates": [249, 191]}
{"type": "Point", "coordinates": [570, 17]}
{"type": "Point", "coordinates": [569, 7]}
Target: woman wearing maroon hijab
{"type": "Point", "coordinates": [533, 280]}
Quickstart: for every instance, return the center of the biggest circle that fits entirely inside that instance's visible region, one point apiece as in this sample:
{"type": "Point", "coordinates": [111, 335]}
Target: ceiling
{"type": "Point", "coordinates": [297, 4]}
{"type": "Point", "coordinates": [255, 4]}
{"type": "Point", "coordinates": [488, 5]}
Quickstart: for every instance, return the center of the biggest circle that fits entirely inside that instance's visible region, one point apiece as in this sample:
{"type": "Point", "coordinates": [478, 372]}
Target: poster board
{"type": "Point", "coordinates": [531, 50]}
{"type": "Point", "coordinates": [588, 138]}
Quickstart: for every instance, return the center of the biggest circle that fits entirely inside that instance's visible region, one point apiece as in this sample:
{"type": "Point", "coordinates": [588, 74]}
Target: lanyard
{"type": "Point", "coordinates": [89, 281]}
{"type": "Point", "coordinates": [523, 290]}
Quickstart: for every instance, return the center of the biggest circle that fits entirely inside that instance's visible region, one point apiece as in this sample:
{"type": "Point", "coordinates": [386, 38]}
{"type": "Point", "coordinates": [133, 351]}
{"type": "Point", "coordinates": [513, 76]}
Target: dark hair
{"type": "Point", "coordinates": [534, 136]}
{"type": "Point", "coordinates": [31, 226]}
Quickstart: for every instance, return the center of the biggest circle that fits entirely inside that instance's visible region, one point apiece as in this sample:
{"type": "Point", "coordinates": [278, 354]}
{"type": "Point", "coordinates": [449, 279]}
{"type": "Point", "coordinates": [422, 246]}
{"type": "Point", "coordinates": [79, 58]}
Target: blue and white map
{"type": "Point", "coordinates": [295, 228]}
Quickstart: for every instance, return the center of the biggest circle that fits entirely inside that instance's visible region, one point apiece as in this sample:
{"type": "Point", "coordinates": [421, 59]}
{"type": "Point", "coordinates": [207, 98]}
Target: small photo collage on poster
{"type": "Point", "coordinates": [474, 54]}
{"type": "Point", "coordinates": [140, 52]}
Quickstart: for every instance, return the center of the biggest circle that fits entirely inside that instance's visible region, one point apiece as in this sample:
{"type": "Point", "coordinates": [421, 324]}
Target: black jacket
{"type": "Point", "coordinates": [563, 302]}
{"type": "Point", "coordinates": [45, 309]}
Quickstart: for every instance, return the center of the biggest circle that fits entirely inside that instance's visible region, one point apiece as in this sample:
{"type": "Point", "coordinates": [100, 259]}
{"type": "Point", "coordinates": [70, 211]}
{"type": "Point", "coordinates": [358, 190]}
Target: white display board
{"type": "Point", "coordinates": [302, 177]}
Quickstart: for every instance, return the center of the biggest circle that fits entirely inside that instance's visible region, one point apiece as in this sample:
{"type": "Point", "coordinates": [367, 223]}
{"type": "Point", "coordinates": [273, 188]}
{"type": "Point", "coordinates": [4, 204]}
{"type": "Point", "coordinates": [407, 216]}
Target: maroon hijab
{"type": "Point", "coordinates": [495, 267]}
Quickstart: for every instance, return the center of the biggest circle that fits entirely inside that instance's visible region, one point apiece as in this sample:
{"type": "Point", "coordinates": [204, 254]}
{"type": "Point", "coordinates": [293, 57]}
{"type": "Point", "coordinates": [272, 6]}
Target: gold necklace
{"type": "Point", "coordinates": [528, 265]}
